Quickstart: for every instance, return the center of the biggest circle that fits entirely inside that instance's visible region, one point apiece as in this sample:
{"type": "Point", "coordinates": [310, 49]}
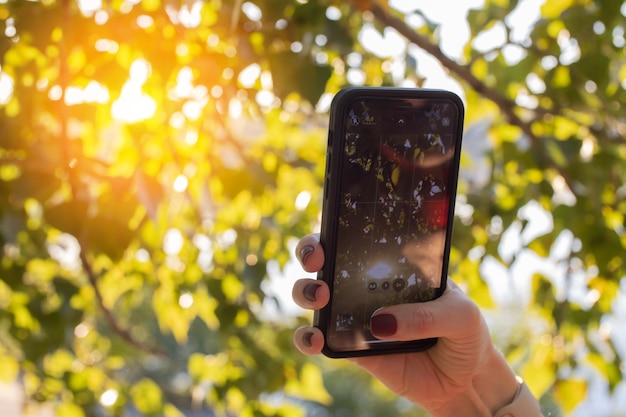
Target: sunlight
{"type": "Point", "coordinates": [184, 85]}
{"type": "Point", "coordinates": [6, 88]}
{"type": "Point", "coordinates": [388, 44]}
{"type": "Point", "coordinates": [94, 92]}
{"type": "Point", "coordinates": [302, 200]}
{"type": "Point", "coordinates": [133, 105]}
{"type": "Point", "coordinates": [180, 183]}
{"type": "Point", "coordinates": [185, 300]}
{"type": "Point", "coordinates": [173, 242]}
{"type": "Point", "coordinates": [235, 109]}
{"type": "Point", "coordinates": [252, 11]}
{"type": "Point", "coordinates": [248, 76]}
{"type": "Point", "coordinates": [89, 7]}
{"type": "Point", "coordinates": [109, 397]}
{"type": "Point", "coordinates": [188, 16]}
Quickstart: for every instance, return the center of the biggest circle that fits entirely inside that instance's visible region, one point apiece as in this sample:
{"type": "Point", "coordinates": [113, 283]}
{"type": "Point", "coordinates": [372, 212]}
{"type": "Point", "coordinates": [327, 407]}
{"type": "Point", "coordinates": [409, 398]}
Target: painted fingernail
{"type": "Point", "coordinates": [307, 338]}
{"type": "Point", "coordinates": [305, 252]}
{"type": "Point", "coordinates": [383, 325]}
{"type": "Point", "coordinates": [310, 291]}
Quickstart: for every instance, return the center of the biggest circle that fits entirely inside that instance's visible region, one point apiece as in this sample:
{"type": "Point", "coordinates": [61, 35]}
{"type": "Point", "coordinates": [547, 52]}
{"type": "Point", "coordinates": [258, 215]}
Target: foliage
{"type": "Point", "coordinates": [156, 156]}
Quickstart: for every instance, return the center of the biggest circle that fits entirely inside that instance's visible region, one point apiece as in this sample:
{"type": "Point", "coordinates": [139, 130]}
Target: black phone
{"type": "Point", "coordinates": [391, 178]}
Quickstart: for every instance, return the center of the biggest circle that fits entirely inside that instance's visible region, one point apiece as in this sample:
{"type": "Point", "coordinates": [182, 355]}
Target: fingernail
{"type": "Point", "coordinates": [383, 325]}
{"type": "Point", "coordinates": [307, 337]}
{"type": "Point", "coordinates": [310, 291]}
{"type": "Point", "coordinates": [305, 252]}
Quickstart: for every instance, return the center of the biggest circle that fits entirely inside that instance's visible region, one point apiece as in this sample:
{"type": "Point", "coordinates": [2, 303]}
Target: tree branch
{"type": "Point", "coordinates": [108, 315]}
{"type": "Point", "coordinates": [506, 105]}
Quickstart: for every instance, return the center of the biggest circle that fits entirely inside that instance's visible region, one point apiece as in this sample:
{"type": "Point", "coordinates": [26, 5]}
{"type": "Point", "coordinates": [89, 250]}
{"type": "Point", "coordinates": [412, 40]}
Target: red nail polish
{"type": "Point", "coordinates": [383, 325]}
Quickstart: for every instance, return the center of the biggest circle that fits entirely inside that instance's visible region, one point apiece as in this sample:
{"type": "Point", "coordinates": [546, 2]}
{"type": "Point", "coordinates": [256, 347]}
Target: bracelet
{"type": "Point", "coordinates": [524, 404]}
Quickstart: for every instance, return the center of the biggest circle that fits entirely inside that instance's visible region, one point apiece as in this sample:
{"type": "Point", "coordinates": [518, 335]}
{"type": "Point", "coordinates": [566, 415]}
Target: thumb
{"type": "Point", "coordinates": [452, 316]}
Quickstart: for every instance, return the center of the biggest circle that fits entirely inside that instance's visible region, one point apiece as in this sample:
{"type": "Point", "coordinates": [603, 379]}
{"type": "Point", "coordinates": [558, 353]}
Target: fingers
{"type": "Point", "coordinates": [310, 293]}
{"type": "Point", "coordinates": [310, 253]}
{"type": "Point", "coordinates": [453, 316]}
{"type": "Point", "coordinates": [308, 340]}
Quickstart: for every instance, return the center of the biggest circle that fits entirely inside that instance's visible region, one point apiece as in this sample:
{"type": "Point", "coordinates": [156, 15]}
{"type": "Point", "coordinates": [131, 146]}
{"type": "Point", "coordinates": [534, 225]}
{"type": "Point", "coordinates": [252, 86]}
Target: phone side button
{"type": "Point", "coordinates": [326, 185]}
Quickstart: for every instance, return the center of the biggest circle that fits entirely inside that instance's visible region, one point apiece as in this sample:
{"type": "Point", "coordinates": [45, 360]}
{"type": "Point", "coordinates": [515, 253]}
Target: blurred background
{"type": "Point", "coordinates": [159, 159]}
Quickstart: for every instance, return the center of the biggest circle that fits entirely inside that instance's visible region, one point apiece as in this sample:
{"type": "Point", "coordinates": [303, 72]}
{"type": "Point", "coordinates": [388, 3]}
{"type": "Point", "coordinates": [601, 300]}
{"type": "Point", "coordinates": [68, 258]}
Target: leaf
{"type": "Point", "coordinates": [68, 216]}
{"type": "Point", "coordinates": [569, 393]}
{"type": "Point", "coordinates": [232, 287]}
{"type": "Point", "coordinates": [69, 410]}
{"type": "Point", "coordinates": [554, 8]}
{"type": "Point", "coordinates": [9, 369]}
{"type": "Point", "coordinates": [309, 385]}
{"type": "Point", "coordinates": [298, 73]}
{"type": "Point", "coordinates": [170, 410]}
{"type": "Point", "coordinates": [538, 372]}
{"type": "Point", "coordinates": [147, 397]}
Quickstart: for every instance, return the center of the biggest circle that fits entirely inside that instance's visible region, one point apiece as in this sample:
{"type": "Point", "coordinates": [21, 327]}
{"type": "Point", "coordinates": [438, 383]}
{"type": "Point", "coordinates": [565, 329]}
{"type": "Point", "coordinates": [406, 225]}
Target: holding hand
{"type": "Point", "coordinates": [462, 375]}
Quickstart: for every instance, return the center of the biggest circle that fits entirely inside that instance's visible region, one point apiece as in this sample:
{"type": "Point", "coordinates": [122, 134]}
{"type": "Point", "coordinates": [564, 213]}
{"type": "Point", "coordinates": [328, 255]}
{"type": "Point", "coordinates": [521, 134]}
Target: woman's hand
{"type": "Point", "coordinates": [462, 374]}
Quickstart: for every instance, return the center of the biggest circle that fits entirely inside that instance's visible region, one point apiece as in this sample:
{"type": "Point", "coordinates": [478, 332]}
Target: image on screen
{"type": "Point", "coordinates": [393, 211]}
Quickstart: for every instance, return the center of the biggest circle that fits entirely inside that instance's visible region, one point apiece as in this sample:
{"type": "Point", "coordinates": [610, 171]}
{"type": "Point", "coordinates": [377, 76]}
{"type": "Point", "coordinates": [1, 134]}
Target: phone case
{"type": "Point", "coordinates": [391, 176]}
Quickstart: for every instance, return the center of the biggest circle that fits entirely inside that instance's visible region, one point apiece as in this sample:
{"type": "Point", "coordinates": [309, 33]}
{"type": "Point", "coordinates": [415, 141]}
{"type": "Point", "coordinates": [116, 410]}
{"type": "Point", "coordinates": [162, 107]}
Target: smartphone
{"type": "Point", "coordinates": [390, 186]}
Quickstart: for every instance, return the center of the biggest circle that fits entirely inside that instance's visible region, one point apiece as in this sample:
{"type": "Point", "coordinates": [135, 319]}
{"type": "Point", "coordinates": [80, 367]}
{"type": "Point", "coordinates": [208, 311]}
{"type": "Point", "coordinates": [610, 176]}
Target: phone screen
{"type": "Point", "coordinates": [389, 214]}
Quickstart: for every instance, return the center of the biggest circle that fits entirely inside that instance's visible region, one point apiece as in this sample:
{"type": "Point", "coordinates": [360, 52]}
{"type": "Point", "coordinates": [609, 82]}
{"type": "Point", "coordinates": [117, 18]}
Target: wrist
{"type": "Point", "coordinates": [492, 388]}
{"type": "Point", "coordinates": [496, 384]}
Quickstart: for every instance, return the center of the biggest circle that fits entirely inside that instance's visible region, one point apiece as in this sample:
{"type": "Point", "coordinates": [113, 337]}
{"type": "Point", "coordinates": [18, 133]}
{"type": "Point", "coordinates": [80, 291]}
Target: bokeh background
{"type": "Point", "coordinates": [160, 158]}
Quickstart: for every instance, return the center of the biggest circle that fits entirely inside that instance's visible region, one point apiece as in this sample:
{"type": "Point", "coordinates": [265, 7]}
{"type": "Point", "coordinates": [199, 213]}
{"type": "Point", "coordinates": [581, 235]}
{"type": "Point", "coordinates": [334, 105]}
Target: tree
{"type": "Point", "coordinates": [157, 156]}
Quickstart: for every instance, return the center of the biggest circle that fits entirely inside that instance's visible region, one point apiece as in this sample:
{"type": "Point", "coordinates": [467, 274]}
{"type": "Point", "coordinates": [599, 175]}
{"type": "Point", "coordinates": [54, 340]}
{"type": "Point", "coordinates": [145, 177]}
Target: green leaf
{"type": "Point", "coordinates": [298, 73]}
{"type": "Point", "coordinates": [69, 216]}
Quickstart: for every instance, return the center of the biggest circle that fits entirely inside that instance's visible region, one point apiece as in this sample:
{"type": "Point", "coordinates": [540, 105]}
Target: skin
{"type": "Point", "coordinates": [463, 374]}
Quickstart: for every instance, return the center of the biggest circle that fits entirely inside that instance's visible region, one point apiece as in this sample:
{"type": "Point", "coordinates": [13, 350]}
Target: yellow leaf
{"type": "Point", "coordinates": [553, 8]}
{"type": "Point", "coordinates": [170, 411]}
{"type": "Point", "coordinates": [569, 393]}
{"type": "Point", "coordinates": [235, 400]}
{"type": "Point", "coordinates": [565, 128]}
{"type": "Point", "coordinates": [232, 287]}
{"type": "Point", "coordinates": [480, 69]}
{"type": "Point", "coordinates": [555, 27]}
{"type": "Point", "coordinates": [69, 410]}
{"type": "Point", "coordinates": [57, 363]}
{"type": "Point", "coordinates": [9, 369]}
{"type": "Point", "coordinates": [206, 306]}
{"type": "Point", "coordinates": [561, 77]}
{"type": "Point", "coordinates": [310, 385]}
{"type": "Point", "coordinates": [539, 371]}
{"type": "Point", "coordinates": [147, 396]}
{"type": "Point", "coordinates": [395, 175]}
{"type": "Point", "coordinates": [151, 5]}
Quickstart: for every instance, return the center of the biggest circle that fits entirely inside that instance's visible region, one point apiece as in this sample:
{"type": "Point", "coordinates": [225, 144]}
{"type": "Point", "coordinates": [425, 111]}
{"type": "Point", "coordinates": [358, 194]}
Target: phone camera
{"type": "Point", "coordinates": [372, 286]}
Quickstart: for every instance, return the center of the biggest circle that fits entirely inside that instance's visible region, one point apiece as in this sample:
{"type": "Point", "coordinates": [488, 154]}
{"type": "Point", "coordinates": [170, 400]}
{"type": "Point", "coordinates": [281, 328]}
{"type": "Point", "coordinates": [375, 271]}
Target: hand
{"type": "Point", "coordinates": [463, 374]}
